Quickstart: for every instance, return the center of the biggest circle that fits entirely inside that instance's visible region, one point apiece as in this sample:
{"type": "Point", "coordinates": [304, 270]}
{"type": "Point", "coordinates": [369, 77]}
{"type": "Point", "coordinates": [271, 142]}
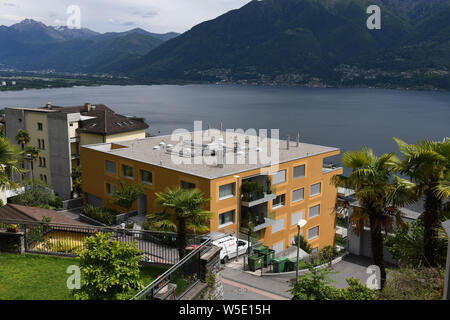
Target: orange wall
{"type": "Point", "coordinates": [94, 178]}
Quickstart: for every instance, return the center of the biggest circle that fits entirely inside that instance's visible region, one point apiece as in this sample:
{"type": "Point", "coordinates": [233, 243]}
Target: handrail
{"type": "Point", "coordinates": [171, 270]}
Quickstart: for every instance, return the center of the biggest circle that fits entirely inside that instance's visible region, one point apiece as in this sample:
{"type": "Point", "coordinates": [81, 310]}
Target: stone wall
{"type": "Point", "coordinates": [212, 275]}
{"type": "Point", "coordinates": [12, 242]}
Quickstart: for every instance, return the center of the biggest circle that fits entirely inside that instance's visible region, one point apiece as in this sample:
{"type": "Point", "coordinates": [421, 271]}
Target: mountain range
{"type": "Point", "coordinates": [31, 45]}
{"type": "Point", "coordinates": [306, 42]}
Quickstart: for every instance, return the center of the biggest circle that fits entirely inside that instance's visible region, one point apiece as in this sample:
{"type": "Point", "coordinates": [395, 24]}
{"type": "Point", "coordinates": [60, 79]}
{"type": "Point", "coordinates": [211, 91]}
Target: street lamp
{"type": "Point", "coordinates": [446, 226]}
{"type": "Point", "coordinates": [301, 223]}
{"type": "Point", "coordinates": [237, 217]}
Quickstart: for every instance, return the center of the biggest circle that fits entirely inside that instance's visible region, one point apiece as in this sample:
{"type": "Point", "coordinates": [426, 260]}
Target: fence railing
{"type": "Point", "coordinates": [67, 240]}
{"type": "Point", "coordinates": [185, 274]}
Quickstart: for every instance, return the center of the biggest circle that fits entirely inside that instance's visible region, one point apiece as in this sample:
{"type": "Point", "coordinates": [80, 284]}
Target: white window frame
{"type": "Point", "coordinates": [227, 223]}
{"type": "Point", "coordinates": [275, 174]}
{"type": "Point", "coordinates": [298, 200]}
{"type": "Point", "coordinates": [233, 188]}
{"type": "Point", "coordinates": [316, 194]}
{"type": "Point", "coordinates": [318, 233]}
{"type": "Point", "coordinates": [309, 211]}
{"type": "Point", "coordinates": [304, 171]}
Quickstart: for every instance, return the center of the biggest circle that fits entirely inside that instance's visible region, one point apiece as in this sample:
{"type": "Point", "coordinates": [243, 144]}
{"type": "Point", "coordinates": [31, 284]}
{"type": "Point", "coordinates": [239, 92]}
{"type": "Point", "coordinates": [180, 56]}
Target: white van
{"type": "Point", "coordinates": [228, 245]}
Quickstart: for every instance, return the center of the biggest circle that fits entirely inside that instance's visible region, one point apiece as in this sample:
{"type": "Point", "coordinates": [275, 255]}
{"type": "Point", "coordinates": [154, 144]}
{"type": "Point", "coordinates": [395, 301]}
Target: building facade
{"type": "Point", "coordinates": [58, 133]}
{"type": "Point", "coordinates": [297, 186]}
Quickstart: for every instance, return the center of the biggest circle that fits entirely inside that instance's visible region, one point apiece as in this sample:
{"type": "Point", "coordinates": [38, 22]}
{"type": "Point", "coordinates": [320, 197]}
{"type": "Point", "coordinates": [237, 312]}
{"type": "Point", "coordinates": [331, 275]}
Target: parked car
{"type": "Point", "coordinates": [228, 245]}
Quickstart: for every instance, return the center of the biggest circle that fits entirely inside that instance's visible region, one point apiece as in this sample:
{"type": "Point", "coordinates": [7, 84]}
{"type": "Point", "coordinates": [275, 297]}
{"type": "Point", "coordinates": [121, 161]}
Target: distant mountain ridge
{"type": "Point", "coordinates": [299, 41]}
{"type": "Point", "coordinates": [32, 45]}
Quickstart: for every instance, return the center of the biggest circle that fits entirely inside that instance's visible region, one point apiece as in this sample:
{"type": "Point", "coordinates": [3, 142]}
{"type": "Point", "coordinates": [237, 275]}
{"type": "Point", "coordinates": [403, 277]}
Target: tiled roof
{"type": "Point", "coordinates": [115, 123]}
{"type": "Point", "coordinates": [23, 213]}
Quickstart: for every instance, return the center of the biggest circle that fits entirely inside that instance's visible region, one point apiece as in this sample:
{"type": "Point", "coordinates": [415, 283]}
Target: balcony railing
{"type": "Point", "coordinates": [328, 167]}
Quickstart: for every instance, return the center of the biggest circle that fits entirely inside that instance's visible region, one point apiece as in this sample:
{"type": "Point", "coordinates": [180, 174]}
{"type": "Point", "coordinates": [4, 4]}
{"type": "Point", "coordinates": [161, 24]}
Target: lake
{"type": "Point", "coordinates": [344, 118]}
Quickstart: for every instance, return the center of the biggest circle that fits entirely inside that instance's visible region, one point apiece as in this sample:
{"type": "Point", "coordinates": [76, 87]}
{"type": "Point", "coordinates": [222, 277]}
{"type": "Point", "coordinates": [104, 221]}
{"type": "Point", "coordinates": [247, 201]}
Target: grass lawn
{"type": "Point", "coordinates": [43, 277]}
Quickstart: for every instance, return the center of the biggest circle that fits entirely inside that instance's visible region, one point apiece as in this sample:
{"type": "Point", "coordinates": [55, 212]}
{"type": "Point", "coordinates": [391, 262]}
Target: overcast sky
{"type": "Point", "coordinates": [119, 15]}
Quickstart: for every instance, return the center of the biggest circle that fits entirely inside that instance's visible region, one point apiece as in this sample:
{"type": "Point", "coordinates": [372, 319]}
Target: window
{"type": "Point", "coordinates": [127, 171]}
{"type": "Point", "coordinates": [146, 177]}
{"type": "Point", "coordinates": [110, 166]}
{"type": "Point", "coordinates": [41, 144]}
{"type": "Point", "coordinates": [316, 189]}
{"type": "Point", "coordinates": [226, 218]}
{"type": "Point", "coordinates": [298, 195]}
{"type": "Point", "coordinates": [187, 185]}
{"type": "Point", "coordinates": [315, 250]}
{"type": "Point", "coordinates": [313, 233]}
{"type": "Point", "coordinates": [278, 226]}
{"type": "Point", "coordinates": [226, 191]}
{"type": "Point", "coordinates": [295, 217]}
{"type": "Point", "coordinates": [43, 177]}
{"type": "Point", "coordinates": [299, 171]}
{"type": "Point", "coordinates": [110, 188]}
{"type": "Point", "coordinates": [40, 126]}
{"type": "Point", "coordinates": [44, 162]}
{"type": "Point", "coordinates": [278, 201]}
{"type": "Point", "coordinates": [314, 211]}
{"type": "Point", "coordinates": [279, 177]}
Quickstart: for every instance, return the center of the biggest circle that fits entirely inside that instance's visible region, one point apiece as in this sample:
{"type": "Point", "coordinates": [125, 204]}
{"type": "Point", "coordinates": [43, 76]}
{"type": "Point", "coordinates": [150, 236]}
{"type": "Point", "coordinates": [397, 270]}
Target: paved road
{"type": "Point", "coordinates": [239, 285]}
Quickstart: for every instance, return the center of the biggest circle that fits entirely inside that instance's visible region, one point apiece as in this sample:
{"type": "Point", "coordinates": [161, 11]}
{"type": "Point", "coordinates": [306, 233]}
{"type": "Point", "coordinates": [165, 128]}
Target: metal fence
{"type": "Point", "coordinates": [184, 275]}
{"type": "Point", "coordinates": [67, 240]}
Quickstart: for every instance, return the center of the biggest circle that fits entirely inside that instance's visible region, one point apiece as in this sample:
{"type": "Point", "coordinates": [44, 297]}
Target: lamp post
{"type": "Point", "coordinates": [301, 223]}
{"type": "Point", "coordinates": [446, 226]}
{"type": "Point", "coordinates": [237, 216]}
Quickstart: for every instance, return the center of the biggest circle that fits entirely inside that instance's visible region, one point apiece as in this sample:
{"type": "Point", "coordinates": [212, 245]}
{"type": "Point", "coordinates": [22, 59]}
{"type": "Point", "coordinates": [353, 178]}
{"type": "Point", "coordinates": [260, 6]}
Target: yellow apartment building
{"type": "Point", "coordinates": [300, 177]}
{"type": "Point", "coordinates": [58, 133]}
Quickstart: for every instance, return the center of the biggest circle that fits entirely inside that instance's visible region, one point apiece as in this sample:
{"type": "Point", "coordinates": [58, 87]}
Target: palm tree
{"type": "Point", "coordinates": [127, 194]}
{"type": "Point", "coordinates": [22, 138]}
{"type": "Point", "coordinates": [427, 164]}
{"type": "Point", "coordinates": [185, 212]}
{"type": "Point", "coordinates": [10, 159]}
{"type": "Point", "coordinates": [31, 153]}
{"type": "Point", "coordinates": [370, 178]}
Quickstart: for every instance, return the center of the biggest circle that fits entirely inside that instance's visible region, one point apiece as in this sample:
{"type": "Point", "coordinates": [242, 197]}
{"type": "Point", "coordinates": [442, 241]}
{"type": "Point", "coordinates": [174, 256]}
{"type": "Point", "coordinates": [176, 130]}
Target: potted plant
{"type": "Point", "coordinates": [12, 228]}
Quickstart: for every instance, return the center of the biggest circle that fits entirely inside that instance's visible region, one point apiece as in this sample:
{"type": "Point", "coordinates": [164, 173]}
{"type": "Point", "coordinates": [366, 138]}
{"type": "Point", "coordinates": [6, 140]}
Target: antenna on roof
{"type": "Point", "coordinates": [221, 126]}
{"type": "Point", "coordinates": [298, 138]}
{"type": "Point", "coordinates": [288, 142]}
{"type": "Point", "coordinates": [106, 123]}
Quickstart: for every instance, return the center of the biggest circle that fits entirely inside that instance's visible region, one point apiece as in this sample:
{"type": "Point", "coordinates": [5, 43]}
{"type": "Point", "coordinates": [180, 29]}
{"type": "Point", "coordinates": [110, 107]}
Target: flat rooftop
{"type": "Point", "coordinates": [211, 153]}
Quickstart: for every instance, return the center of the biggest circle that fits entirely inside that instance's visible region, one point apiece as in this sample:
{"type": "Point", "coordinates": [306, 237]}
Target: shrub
{"type": "Point", "coordinates": [328, 253]}
{"type": "Point", "coordinates": [105, 215]}
{"type": "Point", "coordinates": [413, 284]}
{"type": "Point", "coordinates": [39, 196]}
{"type": "Point", "coordinates": [110, 269]}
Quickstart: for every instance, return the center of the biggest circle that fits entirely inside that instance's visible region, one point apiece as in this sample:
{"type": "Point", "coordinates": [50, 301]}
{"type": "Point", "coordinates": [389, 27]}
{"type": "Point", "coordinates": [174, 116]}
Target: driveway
{"type": "Point", "coordinates": [240, 285]}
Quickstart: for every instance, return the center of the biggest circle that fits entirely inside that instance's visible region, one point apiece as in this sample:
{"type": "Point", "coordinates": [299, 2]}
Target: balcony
{"type": "Point", "coordinates": [256, 190]}
{"type": "Point", "coordinates": [328, 167]}
{"type": "Point", "coordinates": [258, 216]}
{"type": "Point", "coordinates": [257, 199]}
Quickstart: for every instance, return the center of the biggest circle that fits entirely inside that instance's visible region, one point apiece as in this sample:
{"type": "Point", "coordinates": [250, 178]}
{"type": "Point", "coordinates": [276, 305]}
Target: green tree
{"type": "Point", "coordinates": [109, 269]}
{"type": "Point", "coordinates": [427, 164]}
{"type": "Point", "coordinates": [31, 153]}
{"type": "Point", "coordinates": [22, 138]}
{"type": "Point", "coordinates": [370, 178]}
{"type": "Point", "coordinates": [127, 194]}
{"type": "Point", "coordinates": [10, 159]}
{"type": "Point", "coordinates": [38, 195]}
{"type": "Point", "coordinates": [407, 246]}
{"type": "Point", "coordinates": [76, 180]}
{"type": "Point", "coordinates": [304, 245]}
{"type": "Point", "coordinates": [183, 211]}
{"type": "Point", "coordinates": [314, 285]}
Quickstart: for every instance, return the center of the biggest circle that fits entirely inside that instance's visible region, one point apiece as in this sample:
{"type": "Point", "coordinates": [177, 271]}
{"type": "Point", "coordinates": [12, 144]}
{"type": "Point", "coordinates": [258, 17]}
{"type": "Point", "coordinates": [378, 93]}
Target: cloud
{"type": "Point", "coordinates": [118, 15]}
